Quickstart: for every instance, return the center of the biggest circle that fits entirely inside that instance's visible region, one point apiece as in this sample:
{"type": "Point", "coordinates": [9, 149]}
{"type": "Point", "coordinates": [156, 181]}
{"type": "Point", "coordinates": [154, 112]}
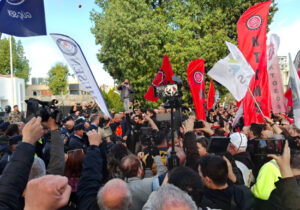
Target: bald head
{"type": "Point", "coordinates": [114, 195]}
{"type": "Point", "coordinates": [118, 117]}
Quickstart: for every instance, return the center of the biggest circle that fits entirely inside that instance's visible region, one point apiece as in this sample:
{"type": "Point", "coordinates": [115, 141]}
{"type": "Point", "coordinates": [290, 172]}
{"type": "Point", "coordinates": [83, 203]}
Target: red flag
{"type": "Point", "coordinates": [211, 96]}
{"type": "Point", "coordinates": [196, 79]}
{"type": "Point", "coordinates": [288, 95]}
{"type": "Point", "coordinates": [163, 77]}
{"type": "Point", "coordinates": [252, 29]}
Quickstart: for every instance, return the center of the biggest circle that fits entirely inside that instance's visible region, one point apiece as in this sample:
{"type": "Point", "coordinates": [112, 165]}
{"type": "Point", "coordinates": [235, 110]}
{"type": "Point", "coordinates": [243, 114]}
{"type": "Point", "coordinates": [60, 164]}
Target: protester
{"type": "Point", "coordinates": [15, 116]}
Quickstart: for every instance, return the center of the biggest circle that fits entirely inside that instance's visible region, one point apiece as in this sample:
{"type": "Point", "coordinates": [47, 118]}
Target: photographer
{"type": "Point", "coordinates": [126, 94]}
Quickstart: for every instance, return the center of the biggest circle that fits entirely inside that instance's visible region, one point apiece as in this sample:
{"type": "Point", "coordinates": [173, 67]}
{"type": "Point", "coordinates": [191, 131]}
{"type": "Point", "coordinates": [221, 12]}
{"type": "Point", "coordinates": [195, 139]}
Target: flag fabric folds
{"type": "Point", "coordinates": [163, 77]}
{"type": "Point", "coordinates": [211, 96]}
{"type": "Point", "coordinates": [295, 86]}
{"type": "Point", "coordinates": [252, 29]}
{"type": "Point", "coordinates": [76, 59]}
{"type": "Point", "coordinates": [233, 72]}
{"type": "Point", "coordinates": [22, 17]}
{"type": "Point", "coordinates": [275, 79]}
{"type": "Point", "coordinates": [196, 79]}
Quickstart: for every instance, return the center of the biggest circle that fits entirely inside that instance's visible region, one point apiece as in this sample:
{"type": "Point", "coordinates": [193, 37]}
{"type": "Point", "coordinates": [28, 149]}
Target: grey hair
{"type": "Point", "coordinates": [115, 184]}
{"type": "Point", "coordinates": [38, 169]}
{"type": "Point", "coordinates": [168, 196]}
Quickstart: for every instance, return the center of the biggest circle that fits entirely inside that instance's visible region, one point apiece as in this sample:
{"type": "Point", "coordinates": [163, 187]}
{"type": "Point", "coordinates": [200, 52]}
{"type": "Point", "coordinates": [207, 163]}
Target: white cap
{"type": "Point", "coordinates": [239, 141]}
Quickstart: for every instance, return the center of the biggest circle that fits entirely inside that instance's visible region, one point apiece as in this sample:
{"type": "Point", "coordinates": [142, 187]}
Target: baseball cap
{"type": "Point", "coordinates": [239, 140]}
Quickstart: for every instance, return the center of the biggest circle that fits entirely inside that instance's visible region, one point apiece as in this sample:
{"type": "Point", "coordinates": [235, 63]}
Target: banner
{"type": "Point", "coordinates": [75, 57]}
{"type": "Point", "coordinates": [295, 86]}
{"type": "Point", "coordinates": [297, 62]}
{"type": "Point", "coordinates": [196, 79]}
{"type": "Point", "coordinates": [238, 115]}
{"type": "Point", "coordinates": [22, 17]}
{"type": "Point", "coordinates": [276, 88]}
{"type": "Point", "coordinates": [163, 77]}
{"type": "Point", "coordinates": [272, 49]}
{"type": "Point", "coordinates": [233, 72]}
{"type": "Point", "coordinates": [211, 95]}
{"type": "Point", "coordinates": [252, 29]}
{"type": "Point", "coordinates": [274, 75]}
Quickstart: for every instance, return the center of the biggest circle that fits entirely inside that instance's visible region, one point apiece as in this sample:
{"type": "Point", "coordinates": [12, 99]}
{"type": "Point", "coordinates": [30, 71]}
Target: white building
{"type": "Point", "coordinates": [12, 96]}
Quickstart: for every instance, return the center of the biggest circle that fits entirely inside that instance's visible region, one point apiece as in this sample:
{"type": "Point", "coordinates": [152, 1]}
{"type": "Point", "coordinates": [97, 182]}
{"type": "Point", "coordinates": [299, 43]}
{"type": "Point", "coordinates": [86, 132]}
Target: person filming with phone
{"type": "Point", "coordinates": [126, 94]}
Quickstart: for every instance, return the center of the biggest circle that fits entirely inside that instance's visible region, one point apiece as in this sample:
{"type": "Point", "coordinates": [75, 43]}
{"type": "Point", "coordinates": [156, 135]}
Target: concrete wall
{"type": "Point", "coordinates": [66, 100]}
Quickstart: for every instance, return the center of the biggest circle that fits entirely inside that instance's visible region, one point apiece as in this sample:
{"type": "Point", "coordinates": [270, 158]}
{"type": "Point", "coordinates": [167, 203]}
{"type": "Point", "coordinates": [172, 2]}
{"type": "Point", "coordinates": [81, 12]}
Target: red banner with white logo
{"type": "Point", "coordinates": [196, 79]}
{"type": "Point", "coordinates": [252, 29]}
{"type": "Point", "coordinates": [210, 96]}
{"type": "Point", "coordinates": [163, 77]}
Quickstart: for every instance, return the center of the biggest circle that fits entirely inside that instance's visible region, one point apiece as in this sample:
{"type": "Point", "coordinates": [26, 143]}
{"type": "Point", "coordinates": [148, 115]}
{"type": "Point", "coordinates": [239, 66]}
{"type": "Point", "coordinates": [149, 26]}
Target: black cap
{"type": "Point", "coordinates": [15, 140]}
{"type": "Point", "coordinates": [66, 119]}
{"type": "Point", "coordinates": [79, 121]}
{"type": "Point", "coordinates": [79, 126]}
{"type": "Point", "coordinates": [4, 126]}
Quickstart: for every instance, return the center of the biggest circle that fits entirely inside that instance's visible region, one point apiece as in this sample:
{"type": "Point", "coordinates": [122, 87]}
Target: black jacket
{"type": "Point", "coordinates": [76, 143]}
{"type": "Point", "coordinates": [231, 198]}
{"type": "Point", "coordinates": [15, 176]}
{"type": "Point", "coordinates": [286, 196]}
{"type": "Point", "coordinates": [130, 92]}
{"type": "Point", "coordinates": [91, 179]}
{"type": "Point", "coordinates": [245, 158]}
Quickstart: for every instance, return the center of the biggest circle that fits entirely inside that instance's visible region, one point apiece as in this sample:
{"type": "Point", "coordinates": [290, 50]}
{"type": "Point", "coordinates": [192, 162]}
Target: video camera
{"type": "Point", "coordinates": [43, 109]}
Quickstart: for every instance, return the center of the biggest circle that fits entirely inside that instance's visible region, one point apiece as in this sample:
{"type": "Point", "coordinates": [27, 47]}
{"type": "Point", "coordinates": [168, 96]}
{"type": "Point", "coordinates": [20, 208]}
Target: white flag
{"type": "Point", "coordinates": [272, 48]}
{"type": "Point", "coordinates": [75, 57]}
{"type": "Point", "coordinates": [233, 72]}
{"type": "Point", "coordinates": [295, 86]}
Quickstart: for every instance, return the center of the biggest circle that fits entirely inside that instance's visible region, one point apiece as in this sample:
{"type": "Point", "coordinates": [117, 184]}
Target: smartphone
{"type": "Point", "coordinates": [198, 124]}
{"type": "Point", "coordinates": [218, 144]}
{"type": "Point", "coordinates": [269, 146]}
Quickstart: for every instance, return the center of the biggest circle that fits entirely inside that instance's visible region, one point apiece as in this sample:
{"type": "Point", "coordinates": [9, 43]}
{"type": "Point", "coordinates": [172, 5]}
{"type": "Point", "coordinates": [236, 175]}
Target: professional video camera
{"type": "Point", "coordinates": [171, 94]}
{"type": "Point", "coordinates": [43, 109]}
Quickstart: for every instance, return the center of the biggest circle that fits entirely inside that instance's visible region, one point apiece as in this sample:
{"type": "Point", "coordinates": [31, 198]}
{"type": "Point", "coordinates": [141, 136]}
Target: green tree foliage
{"type": "Point", "coordinates": [135, 34]}
{"type": "Point", "coordinates": [113, 100]}
{"type": "Point", "coordinates": [58, 79]}
{"type": "Point", "coordinates": [20, 62]}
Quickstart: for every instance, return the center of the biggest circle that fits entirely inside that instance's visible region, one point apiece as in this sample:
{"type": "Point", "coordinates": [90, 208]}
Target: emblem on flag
{"type": "Point", "coordinates": [254, 22]}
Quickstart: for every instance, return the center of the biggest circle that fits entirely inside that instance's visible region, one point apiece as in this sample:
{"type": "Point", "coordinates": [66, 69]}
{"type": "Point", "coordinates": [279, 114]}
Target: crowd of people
{"type": "Point", "coordinates": [91, 161]}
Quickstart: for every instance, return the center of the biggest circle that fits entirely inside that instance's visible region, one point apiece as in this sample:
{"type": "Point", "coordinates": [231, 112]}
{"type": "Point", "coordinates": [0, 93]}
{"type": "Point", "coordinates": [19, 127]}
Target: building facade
{"type": "Point", "coordinates": [12, 94]}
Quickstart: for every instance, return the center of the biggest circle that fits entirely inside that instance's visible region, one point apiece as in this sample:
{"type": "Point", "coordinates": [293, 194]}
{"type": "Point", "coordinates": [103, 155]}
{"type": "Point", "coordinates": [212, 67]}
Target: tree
{"type": "Point", "coordinates": [20, 63]}
{"type": "Point", "coordinates": [113, 100]}
{"type": "Point", "coordinates": [58, 79]}
{"type": "Point", "coordinates": [135, 34]}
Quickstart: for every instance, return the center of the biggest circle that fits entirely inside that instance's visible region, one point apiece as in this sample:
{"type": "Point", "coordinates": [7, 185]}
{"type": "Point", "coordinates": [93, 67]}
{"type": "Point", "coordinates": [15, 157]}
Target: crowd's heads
{"type": "Point", "coordinates": [4, 126]}
{"type": "Point", "coordinates": [7, 109]}
{"type": "Point", "coordinates": [189, 181]}
{"type": "Point", "coordinates": [256, 130]}
{"type": "Point", "coordinates": [202, 144]}
{"type": "Point", "coordinates": [74, 163]}
{"type": "Point", "coordinates": [16, 108]}
{"type": "Point", "coordinates": [238, 143]}
{"type": "Point", "coordinates": [12, 130]}
{"type": "Point", "coordinates": [79, 129]}
{"type": "Point", "coordinates": [13, 142]}
{"type": "Point", "coordinates": [118, 117]}
{"type": "Point", "coordinates": [213, 170]}
{"type": "Point", "coordinates": [114, 195]}
{"type": "Point", "coordinates": [169, 197]}
{"type": "Point", "coordinates": [131, 166]}
{"type": "Point", "coordinates": [95, 118]}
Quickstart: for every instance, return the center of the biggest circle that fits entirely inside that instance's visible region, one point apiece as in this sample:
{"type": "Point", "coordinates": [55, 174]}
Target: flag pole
{"type": "Point", "coordinates": [256, 102]}
{"type": "Point", "coordinates": [11, 70]}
